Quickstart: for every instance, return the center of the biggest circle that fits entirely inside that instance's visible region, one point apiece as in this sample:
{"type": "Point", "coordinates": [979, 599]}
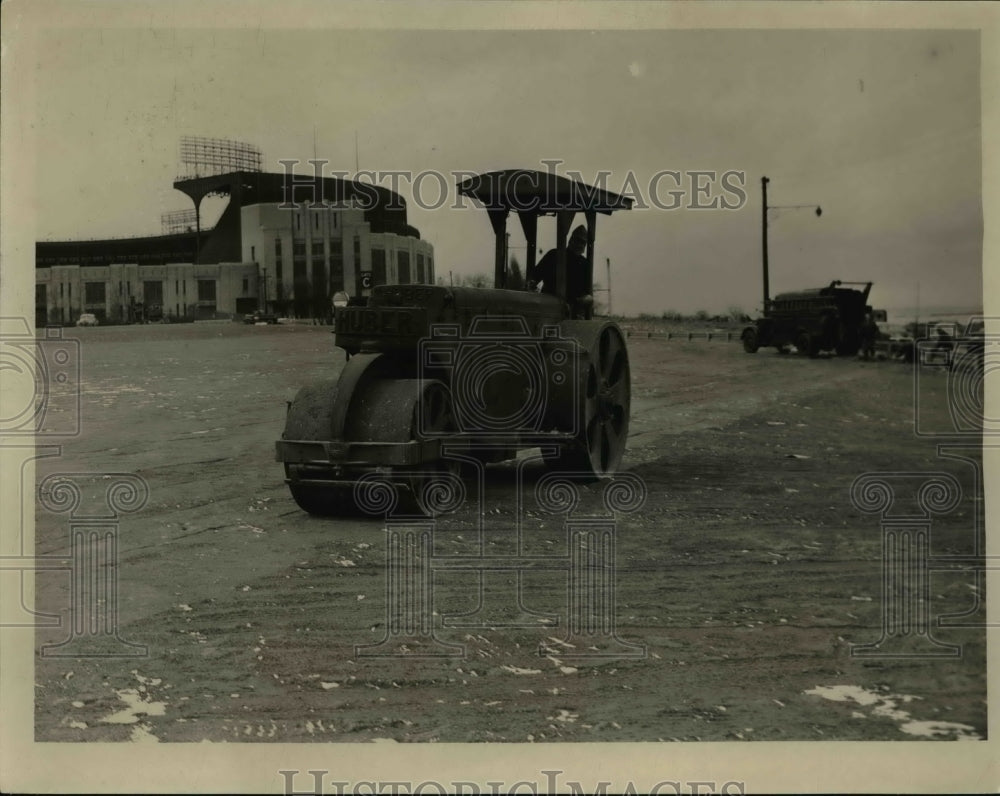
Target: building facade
{"type": "Point", "coordinates": [308, 254]}
{"type": "Point", "coordinates": [132, 293]}
{"type": "Point", "coordinates": [342, 236]}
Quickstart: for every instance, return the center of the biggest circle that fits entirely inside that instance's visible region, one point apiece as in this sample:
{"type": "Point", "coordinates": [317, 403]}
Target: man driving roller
{"type": "Point", "coordinates": [577, 288]}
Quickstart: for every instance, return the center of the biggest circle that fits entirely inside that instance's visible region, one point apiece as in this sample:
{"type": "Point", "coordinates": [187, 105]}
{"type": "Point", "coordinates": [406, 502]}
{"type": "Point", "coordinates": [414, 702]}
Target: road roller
{"type": "Point", "coordinates": [438, 378]}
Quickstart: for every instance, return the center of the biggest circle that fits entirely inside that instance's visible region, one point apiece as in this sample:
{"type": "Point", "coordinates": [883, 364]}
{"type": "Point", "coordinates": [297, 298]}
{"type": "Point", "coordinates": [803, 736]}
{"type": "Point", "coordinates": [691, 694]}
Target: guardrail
{"type": "Point", "coordinates": [682, 336]}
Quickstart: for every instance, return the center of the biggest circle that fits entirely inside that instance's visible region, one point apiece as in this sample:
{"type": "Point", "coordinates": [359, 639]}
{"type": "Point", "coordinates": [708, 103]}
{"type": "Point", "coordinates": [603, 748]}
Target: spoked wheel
{"type": "Point", "coordinates": [603, 408]}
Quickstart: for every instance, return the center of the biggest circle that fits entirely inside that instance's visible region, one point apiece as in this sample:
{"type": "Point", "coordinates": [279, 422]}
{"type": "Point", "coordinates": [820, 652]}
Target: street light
{"type": "Point", "coordinates": [763, 185]}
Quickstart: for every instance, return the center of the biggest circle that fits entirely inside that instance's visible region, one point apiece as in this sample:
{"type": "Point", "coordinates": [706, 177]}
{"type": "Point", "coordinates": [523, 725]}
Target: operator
{"type": "Point", "coordinates": [869, 334]}
{"type": "Point", "coordinates": [576, 267]}
{"type": "Point", "coordinates": [577, 290]}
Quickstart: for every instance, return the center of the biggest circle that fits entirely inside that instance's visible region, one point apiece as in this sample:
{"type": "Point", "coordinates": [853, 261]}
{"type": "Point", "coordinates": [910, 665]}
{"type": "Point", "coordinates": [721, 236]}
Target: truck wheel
{"type": "Point", "coordinates": [750, 341]}
{"type": "Point", "coordinates": [805, 343]}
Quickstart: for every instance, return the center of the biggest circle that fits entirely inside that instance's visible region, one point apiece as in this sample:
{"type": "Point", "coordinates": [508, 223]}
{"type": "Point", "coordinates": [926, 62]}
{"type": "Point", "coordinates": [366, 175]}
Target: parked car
{"type": "Point", "coordinates": [260, 317]}
{"type": "Point", "coordinates": [87, 319]}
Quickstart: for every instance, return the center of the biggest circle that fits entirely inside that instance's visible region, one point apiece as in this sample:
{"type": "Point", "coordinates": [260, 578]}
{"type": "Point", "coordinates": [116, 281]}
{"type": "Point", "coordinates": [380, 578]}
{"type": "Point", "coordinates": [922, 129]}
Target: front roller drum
{"type": "Point", "coordinates": [383, 411]}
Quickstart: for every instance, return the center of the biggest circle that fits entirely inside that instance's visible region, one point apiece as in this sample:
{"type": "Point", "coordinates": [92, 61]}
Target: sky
{"type": "Point", "coordinates": [880, 128]}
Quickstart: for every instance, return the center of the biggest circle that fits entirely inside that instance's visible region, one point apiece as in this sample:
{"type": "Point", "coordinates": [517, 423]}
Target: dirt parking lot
{"type": "Point", "coordinates": [742, 582]}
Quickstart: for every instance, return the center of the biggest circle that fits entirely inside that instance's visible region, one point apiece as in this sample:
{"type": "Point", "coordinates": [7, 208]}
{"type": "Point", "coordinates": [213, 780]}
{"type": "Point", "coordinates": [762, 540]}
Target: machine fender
{"type": "Point", "coordinates": [358, 368]}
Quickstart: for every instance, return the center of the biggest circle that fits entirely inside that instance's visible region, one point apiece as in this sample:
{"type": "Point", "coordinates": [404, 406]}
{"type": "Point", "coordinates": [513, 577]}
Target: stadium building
{"type": "Point", "coordinates": [283, 243]}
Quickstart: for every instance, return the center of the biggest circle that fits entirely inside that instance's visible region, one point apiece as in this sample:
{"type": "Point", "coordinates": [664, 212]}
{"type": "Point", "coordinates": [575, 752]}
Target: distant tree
{"type": "Point", "coordinates": [476, 280]}
{"type": "Point", "coordinates": [515, 279]}
{"type": "Point", "coordinates": [701, 315]}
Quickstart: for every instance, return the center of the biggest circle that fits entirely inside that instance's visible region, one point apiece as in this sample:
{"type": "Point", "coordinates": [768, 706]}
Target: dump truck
{"type": "Point", "coordinates": [829, 318]}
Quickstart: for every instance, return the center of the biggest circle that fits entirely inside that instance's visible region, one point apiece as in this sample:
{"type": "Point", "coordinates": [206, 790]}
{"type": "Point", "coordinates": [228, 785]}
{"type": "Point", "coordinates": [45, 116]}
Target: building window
{"type": "Point", "coordinates": [277, 247]}
{"type": "Point", "coordinates": [298, 222]}
{"type": "Point", "coordinates": [206, 290]}
{"type": "Point", "coordinates": [420, 268]}
{"type": "Point", "coordinates": [299, 249]}
{"type": "Point", "coordinates": [253, 254]}
{"type": "Point", "coordinates": [336, 269]}
{"type": "Point", "coordinates": [317, 249]}
{"type": "Point", "coordinates": [61, 293]}
{"type": "Point", "coordinates": [315, 220]}
{"type": "Point", "coordinates": [430, 270]}
{"type": "Point", "coordinates": [246, 285]}
{"type": "Point", "coordinates": [318, 291]}
{"type": "Point", "coordinates": [334, 212]}
{"type": "Point", "coordinates": [93, 292]}
{"type": "Point", "coordinates": [403, 267]}
{"type": "Point", "coordinates": [378, 266]}
{"type": "Point", "coordinates": [152, 293]}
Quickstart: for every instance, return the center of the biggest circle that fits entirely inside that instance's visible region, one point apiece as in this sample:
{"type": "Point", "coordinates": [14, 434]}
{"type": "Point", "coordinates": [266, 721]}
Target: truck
{"type": "Point", "coordinates": [828, 318]}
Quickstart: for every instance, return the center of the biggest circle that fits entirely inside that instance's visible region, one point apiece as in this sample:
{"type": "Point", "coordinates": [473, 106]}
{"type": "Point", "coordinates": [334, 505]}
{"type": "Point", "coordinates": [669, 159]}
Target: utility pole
{"type": "Point", "coordinates": [763, 224]}
{"type": "Point", "coordinates": [607, 260]}
{"type": "Point", "coordinates": [763, 187]}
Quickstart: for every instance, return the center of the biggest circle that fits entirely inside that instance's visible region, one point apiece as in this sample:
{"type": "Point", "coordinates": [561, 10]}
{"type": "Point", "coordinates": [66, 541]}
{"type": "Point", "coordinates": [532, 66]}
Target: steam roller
{"type": "Point", "coordinates": [438, 376]}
